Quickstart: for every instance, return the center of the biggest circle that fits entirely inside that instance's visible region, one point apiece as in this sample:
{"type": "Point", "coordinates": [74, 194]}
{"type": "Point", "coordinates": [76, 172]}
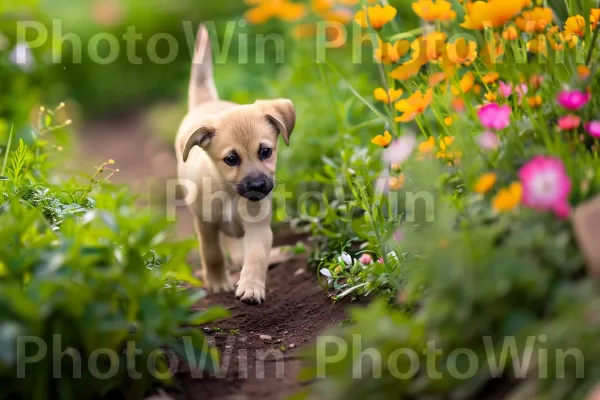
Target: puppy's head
{"type": "Point", "coordinates": [242, 142]}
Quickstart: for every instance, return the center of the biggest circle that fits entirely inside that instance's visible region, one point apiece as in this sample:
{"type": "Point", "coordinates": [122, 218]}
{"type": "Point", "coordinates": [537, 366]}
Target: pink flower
{"type": "Point", "coordinates": [365, 259]}
{"type": "Point", "coordinates": [488, 141]}
{"type": "Point", "coordinates": [399, 235]}
{"type": "Point", "coordinates": [593, 128]}
{"type": "Point", "coordinates": [505, 89]}
{"type": "Point", "coordinates": [546, 185]}
{"type": "Point", "coordinates": [573, 99]}
{"type": "Point", "coordinates": [493, 116]}
{"type": "Point", "coordinates": [400, 150]}
{"type": "Point", "coordinates": [521, 90]}
{"type": "Point", "coordinates": [569, 122]}
{"type": "Point", "coordinates": [380, 260]}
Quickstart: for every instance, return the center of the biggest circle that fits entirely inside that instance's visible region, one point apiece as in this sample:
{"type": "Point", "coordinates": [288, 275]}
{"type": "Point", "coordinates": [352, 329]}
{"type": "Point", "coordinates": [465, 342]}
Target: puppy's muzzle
{"type": "Point", "coordinates": [255, 187]}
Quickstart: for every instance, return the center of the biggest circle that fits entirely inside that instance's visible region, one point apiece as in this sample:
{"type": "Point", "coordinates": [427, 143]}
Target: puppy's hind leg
{"type": "Point", "coordinates": [214, 273]}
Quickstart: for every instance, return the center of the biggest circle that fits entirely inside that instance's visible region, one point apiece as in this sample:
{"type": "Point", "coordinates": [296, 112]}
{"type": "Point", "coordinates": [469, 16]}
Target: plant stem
{"type": "Point", "coordinates": [7, 151]}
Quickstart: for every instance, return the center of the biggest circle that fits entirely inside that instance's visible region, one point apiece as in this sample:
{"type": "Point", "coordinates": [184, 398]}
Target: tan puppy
{"type": "Point", "coordinates": [229, 152]}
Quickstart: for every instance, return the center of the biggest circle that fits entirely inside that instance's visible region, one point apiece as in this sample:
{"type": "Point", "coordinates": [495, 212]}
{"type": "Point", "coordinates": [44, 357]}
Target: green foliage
{"type": "Point", "coordinates": [82, 268]}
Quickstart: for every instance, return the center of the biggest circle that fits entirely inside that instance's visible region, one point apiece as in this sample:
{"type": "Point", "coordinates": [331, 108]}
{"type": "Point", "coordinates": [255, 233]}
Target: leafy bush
{"type": "Point", "coordinates": [82, 268]}
{"type": "Point", "coordinates": [465, 224]}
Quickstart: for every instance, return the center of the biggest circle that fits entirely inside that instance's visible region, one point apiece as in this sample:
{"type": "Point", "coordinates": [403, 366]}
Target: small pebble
{"type": "Point", "coordinates": [292, 345]}
{"type": "Point", "coordinates": [265, 337]}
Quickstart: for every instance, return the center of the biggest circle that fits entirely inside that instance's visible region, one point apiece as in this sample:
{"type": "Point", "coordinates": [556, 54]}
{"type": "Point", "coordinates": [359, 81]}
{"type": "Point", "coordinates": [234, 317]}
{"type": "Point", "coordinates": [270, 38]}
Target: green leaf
{"type": "Point", "coordinates": [210, 315]}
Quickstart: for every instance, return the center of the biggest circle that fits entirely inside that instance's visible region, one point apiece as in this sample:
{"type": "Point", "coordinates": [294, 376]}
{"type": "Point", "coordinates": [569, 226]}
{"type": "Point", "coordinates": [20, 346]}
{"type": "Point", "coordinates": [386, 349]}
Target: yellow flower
{"type": "Point", "coordinates": [382, 140]}
{"type": "Point", "coordinates": [535, 20]}
{"type": "Point", "coordinates": [462, 52]}
{"type": "Point", "coordinates": [465, 85]}
{"type": "Point", "coordinates": [390, 96]}
{"type": "Point", "coordinates": [375, 15]}
{"type": "Point", "coordinates": [440, 10]}
{"type": "Point", "coordinates": [446, 142]}
{"type": "Point", "coordinates": [427, 146]}
{"type": "Point", "coordinates": [494, 13]}
{"type": "Point", "coordinates": [535, 101]}
{"type": "Point", "coordinates": [508, 198]}
{"type": "Point", "coordinates": [449, 120]}
{"type": "Point", "coordinates": [575, 25]}
{"type": "Point", "coordinates": [414, 105]}
{"type": "Point", "coordinates": [485, 183]}
{"type": "Point", "coordinates": [490, 78]}
{"type": "Point", "coordinates": [538, 45]}
{"type": "Point", "coordinates": [389, 53]}
{"type": "Point", "coordinates": [491, 96]}
{"type": "Point", "coordinates": [510, 33]}
{"type": "Point", "coordinates": [396, 183]}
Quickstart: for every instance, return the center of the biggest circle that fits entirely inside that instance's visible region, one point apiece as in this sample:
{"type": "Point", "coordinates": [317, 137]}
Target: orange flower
{"type": "Point", "coordinates": [490, 78]}
{"type": "Point", "coordinates": [406, 70]}
{"type": "Point", "coordinates": [440, 10]}
{"type": "Point", "coordinates": [485, 183]}
{"type": "Point", "coordinates": [267, 9]}
{"type": "Point", "coordinates": [414, 105]}
{"type": "Point", "coordinates": [594, 17]}
{"type": "Point", "coordinates": [575, 26]}
{"type": "Point", "coordinates": [508, 198]}
{"type": "Point", "coordinates": [382, 140]}
{"type": "Point", "coordinates": [462, 52]}
{"type": "Point", "coordinates": [465, 85]}
{"type": "Point", "coordinates": [583, 72]}
{"type": "Point", "coordinates": [539, 45]}
{"type": "Point", "coordinates": [437, 78]}
{"type": "Point", "coordinates": [535, 20]}
{"type": "Point", "coordinates": [429, 47]}
{"type": "Point", "coordinates": [494, 13]}
{"type": "Point", "coordinates": [389, 53]}
{"type": "Point", "coordinates": [375, 15]}
{"type": "Point", "coordinates": [387, 97]}
{"type": "Point", "coordinates": [397, 183]}
{"type": "Point", "coordinates": [427, 146]}
{"type": "Point", "coordinates": [535, 101]}
{"type": "Point", "coordinates": [458, 104]}
{"type": "Point", "coordinates": [449, 120]}
{"type": "Point", "coordinates": [510, 33]}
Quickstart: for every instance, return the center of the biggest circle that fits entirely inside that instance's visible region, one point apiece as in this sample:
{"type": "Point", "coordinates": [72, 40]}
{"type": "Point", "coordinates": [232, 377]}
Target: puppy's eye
{"type": "Point", "coordinates": [232, 160]}
{"type": "Point", "coordinates": [264, 153]}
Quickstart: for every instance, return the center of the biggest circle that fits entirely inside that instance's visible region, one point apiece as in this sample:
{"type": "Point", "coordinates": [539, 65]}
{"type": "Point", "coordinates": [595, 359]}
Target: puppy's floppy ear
{"type": "Point", "coordinates": [200, 137]}
{"type": "Point", "coordinates": [282, 114]}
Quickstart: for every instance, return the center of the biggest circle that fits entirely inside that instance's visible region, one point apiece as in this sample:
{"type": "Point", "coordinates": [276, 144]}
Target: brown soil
{"type": "Point", "coordinates": [297, 308]}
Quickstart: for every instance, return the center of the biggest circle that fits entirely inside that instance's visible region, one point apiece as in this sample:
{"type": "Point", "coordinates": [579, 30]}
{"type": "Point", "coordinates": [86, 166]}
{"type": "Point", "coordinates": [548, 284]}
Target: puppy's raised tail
{"type": "Point", "coordinates": [202, 85]}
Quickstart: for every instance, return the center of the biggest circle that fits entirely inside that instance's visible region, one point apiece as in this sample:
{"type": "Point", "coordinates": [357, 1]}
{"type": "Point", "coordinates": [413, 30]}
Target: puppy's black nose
{"type": "Point", "coordinates": [257, 185]}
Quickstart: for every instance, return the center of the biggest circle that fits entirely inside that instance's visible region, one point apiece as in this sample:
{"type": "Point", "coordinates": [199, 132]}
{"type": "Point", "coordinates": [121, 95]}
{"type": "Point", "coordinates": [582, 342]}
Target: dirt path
{"type": "Point", "coordinates": [296, 311]}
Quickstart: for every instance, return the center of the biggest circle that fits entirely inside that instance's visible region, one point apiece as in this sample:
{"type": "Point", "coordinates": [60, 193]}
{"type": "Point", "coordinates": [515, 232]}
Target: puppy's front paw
{"type": "Point", "coordinates": [218, 283]}
{"type": "Point", "coordinates": [251, 292]}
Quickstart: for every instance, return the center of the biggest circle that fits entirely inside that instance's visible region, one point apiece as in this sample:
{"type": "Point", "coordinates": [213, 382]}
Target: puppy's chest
{"type": "Point", "coordinates": [232, 229]}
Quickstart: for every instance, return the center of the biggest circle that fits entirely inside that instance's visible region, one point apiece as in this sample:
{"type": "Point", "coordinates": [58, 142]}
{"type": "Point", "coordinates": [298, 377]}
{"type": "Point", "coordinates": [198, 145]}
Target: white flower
{"type": "Point", "coordinates": [347, 259]}
{"type": "Point", "coordinates": [22, 56]}
{"type": "Point", "coordinates": [325, 272]}
{"type": "Point", "coordinates": [400, 150]}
